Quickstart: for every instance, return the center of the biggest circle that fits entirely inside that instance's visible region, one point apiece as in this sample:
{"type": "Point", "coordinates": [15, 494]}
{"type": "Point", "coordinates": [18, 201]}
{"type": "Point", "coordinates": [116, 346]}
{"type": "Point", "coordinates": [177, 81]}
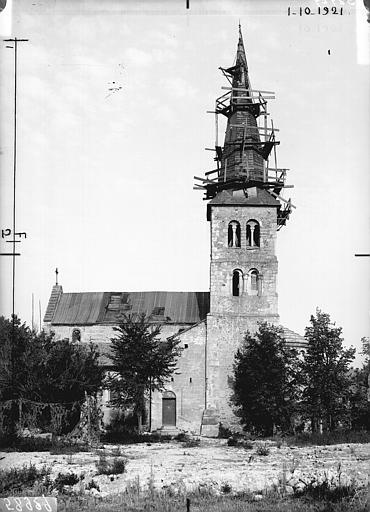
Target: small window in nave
{"type": "Point", "coordinates": [76, 335]}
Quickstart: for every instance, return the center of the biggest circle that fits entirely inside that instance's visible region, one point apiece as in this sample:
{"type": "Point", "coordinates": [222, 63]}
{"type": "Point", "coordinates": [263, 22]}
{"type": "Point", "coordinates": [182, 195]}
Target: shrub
{"type": "Point", "coordinates": [65, 479]}
{"type": "Point", "coordinates": [248, 445]}
{"type": "Point", "coordinates": [181, 437]}
{"type": "Point", "coordinates": [122, 429]}
{"type": "Point", "coordinates": [66, 447]}
{"type": "Point", "coordinates": [116, 467]}
{"type": "Point", "coordinates": [224, 432]}
{"type": "Point", "coordinates": [192, 442]}
{"type": "Point", "coordinates": [92, 485]}
{"type": "Point", "coordinates": [226, 488]}
{"type": "Point", "coordinates": [26, 444]}
{"type": "Point", "coordinates": [327, 438]}
{"type": "Point", "coordinates": [325, 491]}
{"type": "Point", "coordinates": [15, 479]}
{"type": "Point", "coordinates": [262, 449]}
{"type": "Point", "coordinates": [232, 441]}
{"type": "Point", "coordinates": [279, 442]}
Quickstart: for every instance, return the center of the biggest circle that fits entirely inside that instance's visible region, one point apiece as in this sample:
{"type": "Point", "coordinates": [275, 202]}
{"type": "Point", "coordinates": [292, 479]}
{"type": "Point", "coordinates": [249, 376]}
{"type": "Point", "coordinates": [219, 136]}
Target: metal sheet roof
{"type": "Point", "coordinates": [108, 307]}
{"type": "Point", "coordinates": [293, 339]}
{"type": "Point", "coordinates": [78, 308]}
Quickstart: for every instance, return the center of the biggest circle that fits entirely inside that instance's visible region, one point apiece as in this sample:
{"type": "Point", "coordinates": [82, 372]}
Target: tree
{"type": "Point", "coordinates": [326, 375]}
{"type": "Point", "coordinates": [39, 368]}
{"type": "Point", "coordinates": [366, 366]}
{"type": "Point", "coordinates": [360, 397]}
{"type": "Point", "coordinates": [265, 381]}
{"type": "Point", "coordinates": [141, 362]}
{"type": "Point", "coordinates": [365, 351]}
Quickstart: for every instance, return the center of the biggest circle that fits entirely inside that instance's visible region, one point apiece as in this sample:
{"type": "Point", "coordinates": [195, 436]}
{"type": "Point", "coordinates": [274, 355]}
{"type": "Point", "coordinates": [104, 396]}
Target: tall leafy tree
{"type": "Point", "coordinates": [40, 368]}
{"type": "Point", "coordinates": [141, 362]}
{"type": "Point", "coordinates": [265, 381]}
{"type": "Point", "coordinates": [360, 386]}
{"type": "Point", "coordinates": [326, 374]}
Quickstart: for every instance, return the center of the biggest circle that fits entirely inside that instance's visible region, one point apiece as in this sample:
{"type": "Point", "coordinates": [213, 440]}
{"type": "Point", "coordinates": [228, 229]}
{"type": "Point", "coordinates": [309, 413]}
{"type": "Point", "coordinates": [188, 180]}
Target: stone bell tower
{"type": "Point", "coordinates": [245, 211]}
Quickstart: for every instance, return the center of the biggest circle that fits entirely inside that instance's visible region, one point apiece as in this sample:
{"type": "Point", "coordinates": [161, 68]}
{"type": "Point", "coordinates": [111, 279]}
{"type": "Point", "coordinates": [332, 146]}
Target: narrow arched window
{"type": "Point", "coordinates": [237, 283]}
{"type": "Point", "coordinates": [254, 286]}
{"type": "Point", "coordinates": [253, 233]}
{"type": "Point", "coordinates": [254, 281]}
{"type": "Point", "coordinates": [233, 234]}
{"type": "Point", "coordinates": [76, 335]}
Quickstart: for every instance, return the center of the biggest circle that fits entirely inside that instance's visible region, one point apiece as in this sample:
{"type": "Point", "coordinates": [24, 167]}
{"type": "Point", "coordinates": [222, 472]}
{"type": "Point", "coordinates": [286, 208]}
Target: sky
{"type": "Point", "coordinates": [111, 128]}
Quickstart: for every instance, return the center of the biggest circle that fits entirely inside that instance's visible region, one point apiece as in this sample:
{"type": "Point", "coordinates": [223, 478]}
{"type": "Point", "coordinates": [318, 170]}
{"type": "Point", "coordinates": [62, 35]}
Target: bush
{"type": "Point", "coordinates": [263, 450]}
{"type": "Point", "coordinates": [327, 438]}
{"type": "Point", "coordinates": [226, 488]}
{"type": "Point", "coordinates": [248, 445]}
{"type": "Point", "coordinates": [92, 485]}
{"type": "Point", "coordinates": [32, 444]}
{"type": "Point", "coordinates": [279, 442]}
{"type": "Point", "coordinates": [43, 444]}
{"type": "Point", "coordinates": [63, 448]}
{"type": "Point", "coordinates": [65, 479]}
{"type": "Point", "coordinates": [16, 479]}
{"type": "Point", "coordinates": [105, 467]}
{"type": "Point", "coordinates": [122, 429]}
{"type": "Point", "coordinates": [192, 442]}
{"type": "Point", "coordinates": [232, 441]}
{"type": "Point", "coordinates": [326, 492]}
{"type": "Point", "coordinates": [181, 437]}
{"type": "Point", "coordinates": [224, 432]}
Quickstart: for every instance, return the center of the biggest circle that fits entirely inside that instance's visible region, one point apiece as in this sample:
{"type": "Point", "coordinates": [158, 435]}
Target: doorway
{"type": "Point", "coordinates": [169, 409]}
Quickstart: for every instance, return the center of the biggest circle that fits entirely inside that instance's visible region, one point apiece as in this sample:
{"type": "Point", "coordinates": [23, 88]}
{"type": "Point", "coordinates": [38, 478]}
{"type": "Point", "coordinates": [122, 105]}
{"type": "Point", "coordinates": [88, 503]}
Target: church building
{"type": "Point", "coordinates": [245, 210]}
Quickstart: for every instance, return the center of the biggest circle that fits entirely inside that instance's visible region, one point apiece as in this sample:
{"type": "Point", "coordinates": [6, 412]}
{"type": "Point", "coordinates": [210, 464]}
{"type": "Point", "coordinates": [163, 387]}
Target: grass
{"type": "Point", "coordinates": [44, 444]}
{"type": "Point", "coordinates": [17, 479]}
{"type": "Point", "coordinates": [314, 498]}
{"type": "Point", "coordinates": [203, 502]}
{"type": "Point", "coordinates": [327, 438]}
{"type": "Point", "coordinates": [133, 437]}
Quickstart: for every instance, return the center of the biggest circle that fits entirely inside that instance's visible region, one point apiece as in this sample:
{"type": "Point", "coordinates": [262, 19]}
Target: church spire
{"type": "Point", "coordinates": [241, 60]}
{"type": "Point", "coordinates": [243, 161]}
{"type": "Point", "coordinates": [248, 157]}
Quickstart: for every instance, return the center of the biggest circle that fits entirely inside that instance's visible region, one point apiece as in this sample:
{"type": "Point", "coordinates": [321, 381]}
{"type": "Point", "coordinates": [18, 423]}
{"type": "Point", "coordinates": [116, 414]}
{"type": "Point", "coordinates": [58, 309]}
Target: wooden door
{"type": "Point", "coordinates": [169, 412]}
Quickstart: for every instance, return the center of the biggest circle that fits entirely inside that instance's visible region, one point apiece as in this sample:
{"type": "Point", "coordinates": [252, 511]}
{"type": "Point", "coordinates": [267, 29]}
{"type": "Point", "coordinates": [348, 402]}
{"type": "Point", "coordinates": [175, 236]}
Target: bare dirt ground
{"type": "Point", "coordinates": [213, 464]}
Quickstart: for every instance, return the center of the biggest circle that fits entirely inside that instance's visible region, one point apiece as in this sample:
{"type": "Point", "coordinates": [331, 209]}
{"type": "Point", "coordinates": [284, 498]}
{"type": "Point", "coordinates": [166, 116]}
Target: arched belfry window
{"type": "Point", "coordinates": [255, 282]}
{"type": "Point", "coordinates": [233, 234]}
{"type": "Point", "coordinates": [253, 233]}
{"type": "Point", "coordinates": [76, 335]}
{"type": "Point", "coordinates": [237, 283]}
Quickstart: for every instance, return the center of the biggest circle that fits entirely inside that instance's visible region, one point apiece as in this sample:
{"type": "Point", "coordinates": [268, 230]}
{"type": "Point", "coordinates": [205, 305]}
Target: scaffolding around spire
{"type": "Point", "coordinates": [248, 157]}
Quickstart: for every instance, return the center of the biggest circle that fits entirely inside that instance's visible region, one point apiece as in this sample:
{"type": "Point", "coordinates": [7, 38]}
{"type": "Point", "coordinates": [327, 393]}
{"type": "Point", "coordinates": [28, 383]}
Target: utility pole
{"type": "Point", "coordinates": [15, 47]}
{"type": "Point", "coordinates": [14, 254]}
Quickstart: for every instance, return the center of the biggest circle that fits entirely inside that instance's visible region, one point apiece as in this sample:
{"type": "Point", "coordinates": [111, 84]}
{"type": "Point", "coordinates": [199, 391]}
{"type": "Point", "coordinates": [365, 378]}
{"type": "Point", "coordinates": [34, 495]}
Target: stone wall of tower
{"type": "Point", "coordinates": [230, 317]}
{"type": "Point", "coordinates": [225, 259]}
